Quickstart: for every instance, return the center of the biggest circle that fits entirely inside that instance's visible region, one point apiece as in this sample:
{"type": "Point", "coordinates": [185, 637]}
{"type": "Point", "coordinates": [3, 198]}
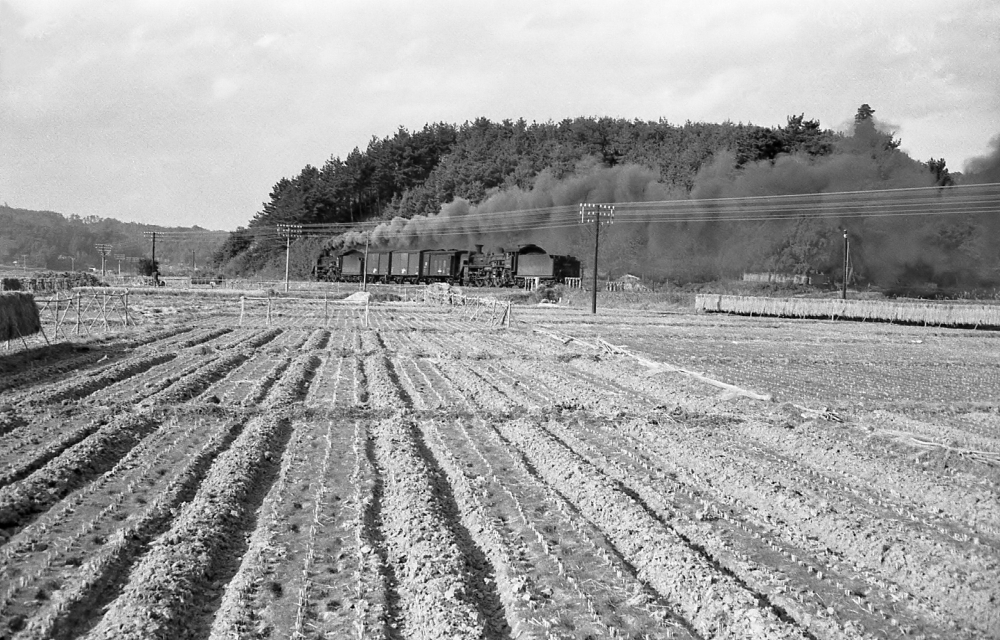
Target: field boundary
{"type": "Point", "coordinates": [939, 314]}
{"type": "Point", "coordinates": [86, 311]}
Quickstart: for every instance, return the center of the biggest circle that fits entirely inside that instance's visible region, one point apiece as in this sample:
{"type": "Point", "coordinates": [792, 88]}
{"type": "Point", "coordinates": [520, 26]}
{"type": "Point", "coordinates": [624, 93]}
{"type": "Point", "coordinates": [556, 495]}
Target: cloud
{"type": "Point", "coordinates": [266, 87]}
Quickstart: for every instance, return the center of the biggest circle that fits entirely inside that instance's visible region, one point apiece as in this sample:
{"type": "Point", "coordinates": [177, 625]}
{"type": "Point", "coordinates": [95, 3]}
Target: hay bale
{"type": "Point", "coordinates": [18, 316]}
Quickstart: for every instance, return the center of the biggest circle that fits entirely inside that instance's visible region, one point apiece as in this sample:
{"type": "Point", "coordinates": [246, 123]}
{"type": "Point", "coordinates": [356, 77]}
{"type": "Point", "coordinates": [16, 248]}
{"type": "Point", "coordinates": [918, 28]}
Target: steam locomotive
{"type": "Point", "coordinates": [530, 263]}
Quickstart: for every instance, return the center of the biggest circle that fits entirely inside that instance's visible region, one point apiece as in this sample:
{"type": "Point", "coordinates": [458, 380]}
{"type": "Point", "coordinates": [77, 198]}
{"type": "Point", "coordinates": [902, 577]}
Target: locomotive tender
{"type": "Point", "coordinates": [468, 268]}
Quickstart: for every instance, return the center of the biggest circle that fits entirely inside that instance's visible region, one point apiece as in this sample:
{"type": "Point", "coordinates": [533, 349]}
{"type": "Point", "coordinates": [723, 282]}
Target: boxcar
{"type": "Point", "coordinates": [441, 266]}
{"type": "Point", "coordinates": [379, 266]}
{"type": "Point", "coordinates": [405, 266]}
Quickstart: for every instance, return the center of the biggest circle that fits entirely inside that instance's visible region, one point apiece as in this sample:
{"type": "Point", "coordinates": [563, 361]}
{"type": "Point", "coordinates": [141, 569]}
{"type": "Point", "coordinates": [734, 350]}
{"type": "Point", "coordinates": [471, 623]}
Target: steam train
{"type": "Point", "coordinates": [529, 264]}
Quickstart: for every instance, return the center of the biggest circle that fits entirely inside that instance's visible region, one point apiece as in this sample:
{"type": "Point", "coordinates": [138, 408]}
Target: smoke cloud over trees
{"type": "Point", "coordinates": [510, 183]}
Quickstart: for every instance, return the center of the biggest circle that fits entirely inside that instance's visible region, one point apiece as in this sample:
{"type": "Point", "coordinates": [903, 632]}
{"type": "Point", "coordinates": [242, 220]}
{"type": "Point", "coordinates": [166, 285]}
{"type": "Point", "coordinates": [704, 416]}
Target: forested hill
{"type": "Point", "coordinates": [46, 239]}
{"type": "Point", "coordinates": [489, 167]}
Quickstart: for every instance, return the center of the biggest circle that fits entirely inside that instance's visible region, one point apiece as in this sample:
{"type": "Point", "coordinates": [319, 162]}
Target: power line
{"type": "Point", "coordinates": [884, 203]}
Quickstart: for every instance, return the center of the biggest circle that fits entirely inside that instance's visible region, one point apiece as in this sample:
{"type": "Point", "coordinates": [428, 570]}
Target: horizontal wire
{"type": "Point", "coordinates": [913, 201]}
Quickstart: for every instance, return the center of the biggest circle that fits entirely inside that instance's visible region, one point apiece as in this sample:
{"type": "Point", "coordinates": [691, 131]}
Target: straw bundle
{"type": "Point", "coordinates": [928, 313]}
{"type": "Point", "coordinates": [18, 316]}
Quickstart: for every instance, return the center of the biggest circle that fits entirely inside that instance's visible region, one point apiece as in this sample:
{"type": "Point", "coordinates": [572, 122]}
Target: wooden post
{"type": "Point", "coordinates": [269, 308]}
{"type": "Point", "coordinates": [104, 310]}
{"type": "Point", "coordinates": [326, 309]}
{"type": "Point", "coordinates": [78, 312]}
{"type": "Point", "coordinates": [367, 324]}
{"type": "Point", "coordinates": [243, 308]}
{"type": "Point", "coordinates": [125, 302]}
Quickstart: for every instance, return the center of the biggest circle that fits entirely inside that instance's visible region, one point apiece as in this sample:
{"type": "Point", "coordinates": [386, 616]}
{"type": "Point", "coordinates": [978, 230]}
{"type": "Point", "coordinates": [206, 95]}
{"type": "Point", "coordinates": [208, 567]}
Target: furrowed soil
{"type": "Point", "coordinates": [421, 474]}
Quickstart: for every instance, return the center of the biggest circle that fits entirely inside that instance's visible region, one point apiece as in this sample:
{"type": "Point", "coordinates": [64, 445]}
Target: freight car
{"type": "Point", "coordinates": [530, 263]}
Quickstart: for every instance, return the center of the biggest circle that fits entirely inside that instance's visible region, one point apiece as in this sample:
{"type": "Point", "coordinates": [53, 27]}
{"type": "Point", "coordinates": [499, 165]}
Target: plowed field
{"type": "Point", "coordinates": [659, 476]}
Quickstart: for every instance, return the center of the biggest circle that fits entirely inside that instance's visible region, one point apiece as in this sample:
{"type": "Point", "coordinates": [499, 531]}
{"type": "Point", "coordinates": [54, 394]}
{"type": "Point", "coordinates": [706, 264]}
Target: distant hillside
{"type": "Point", "coordinates": [42, 238]}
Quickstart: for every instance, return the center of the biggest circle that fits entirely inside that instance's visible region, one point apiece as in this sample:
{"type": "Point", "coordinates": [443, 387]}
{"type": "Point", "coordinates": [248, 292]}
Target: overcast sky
{"type": "Point", "coordinates": [186, 112]}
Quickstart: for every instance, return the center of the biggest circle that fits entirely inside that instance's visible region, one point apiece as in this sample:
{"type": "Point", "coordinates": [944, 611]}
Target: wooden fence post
{"type": "Point", "coordinates": [104, 310]}
{"type": "Point", "coordinates": [326, 309]}
{"type": "Point", "coordinates": [269, 309]}
{"type": "Point", "coordinates": [367, 325]}
{"type": "Point", "coordinates": [243, 308]}
{"type": "Point", "coordinates": [78, 312]}
{"type": "Point", "coordinates": [125, 302]}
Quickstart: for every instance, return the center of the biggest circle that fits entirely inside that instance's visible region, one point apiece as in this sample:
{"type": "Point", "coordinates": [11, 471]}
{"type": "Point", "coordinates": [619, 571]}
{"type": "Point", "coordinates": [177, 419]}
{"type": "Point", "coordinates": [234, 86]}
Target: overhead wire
{"type": "Point", "coordinates": [884, 203]}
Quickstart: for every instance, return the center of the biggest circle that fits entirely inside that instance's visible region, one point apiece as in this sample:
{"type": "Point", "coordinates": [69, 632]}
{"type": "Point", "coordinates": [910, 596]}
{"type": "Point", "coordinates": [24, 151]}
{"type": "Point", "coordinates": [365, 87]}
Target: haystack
{"type": "Point", "coordinates": [18, 316]}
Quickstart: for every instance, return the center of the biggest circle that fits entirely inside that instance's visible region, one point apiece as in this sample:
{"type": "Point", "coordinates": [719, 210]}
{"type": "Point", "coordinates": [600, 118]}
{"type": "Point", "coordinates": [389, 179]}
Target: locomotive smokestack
{"type": "Point", "coordinates": [479, 248]}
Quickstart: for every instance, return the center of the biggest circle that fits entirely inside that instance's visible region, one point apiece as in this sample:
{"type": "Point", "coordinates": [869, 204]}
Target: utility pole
{"type": "Point", "coordinates": [119, 257]}
{"type": "Point", "coordinates": [364, 269]}
{"type": "Point", "coordinates": [72, 261]}
{"type": "Point", "coordinates": [847, 247]}
{"type": "Point", "coordinates": [24, 262]}
{"type": "Point", "coordinates": [598, 214]}
{"type": "Point", "coordinates": [156, 270]}
{"type": "Point", "coordinates": [104, 250]}
{"type": "Point", "coordinates": [288, 230]}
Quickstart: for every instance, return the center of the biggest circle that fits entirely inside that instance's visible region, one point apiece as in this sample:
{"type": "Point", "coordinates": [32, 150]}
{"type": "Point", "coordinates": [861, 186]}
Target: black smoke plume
{"type": "Point", "coordinates": [952, 251]}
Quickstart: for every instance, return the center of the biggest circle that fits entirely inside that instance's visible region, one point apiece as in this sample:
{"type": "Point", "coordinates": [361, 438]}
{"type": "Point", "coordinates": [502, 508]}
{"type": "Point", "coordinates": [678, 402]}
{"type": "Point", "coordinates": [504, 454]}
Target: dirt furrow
{"type": "Point", "coordinates": [713, 602]}
{"type": "Point", "coordinates": [858, 460]}
{"type": "Point", "coordinates": [880, 498]}
{"type": "Point", "coordinates": [246, 379]}
{"type": "Point", "coordinates": [780, 571]}
{"type": "Point", "coordinates": [934, 576]}
{"type": "Point", "coordinates": [28, 449]}
{"type": "Point", "coordinates": [83, 385]}
{"type": "Point", "coordinates": [22, 501]}
{"type": "Point", "coordinates": [156, 380]}
{"type": "Point", "coordinates": [175, 589]}
{"type": "Point", "coordinates": [323, 599]}
{"type": "Point", "coordinates": [244, 600]}
{"type": "Point", "coordinates": [189, 386]}
{"type": "Point", "coordinates": [83, 593]}
{"type": "Point", "coordinates": [70, 358]}
{"type": "Point", "coordinates": [571, 578]}
{"type": "Point", "coordinates": [444, 578]}
{"type": "Point", "coordinates": [259, 386]}
{"type": "Point", "coordinates": [332, 379]}
{"type": "Point", "coordinates": [512, 581]}
{"type": "Point", "coordinates": [376, 598]}
{"type": "Point", "coordinates": [614, 598]}
{"type": "Point", "coordinates": [244, 603]}
{"type": "Point", "coordinates": [94, 505]}
{"type": "Point", "coordinates": [439, 593]}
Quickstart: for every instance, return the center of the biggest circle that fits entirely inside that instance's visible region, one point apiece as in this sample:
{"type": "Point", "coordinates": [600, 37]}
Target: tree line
{"type": "Point", "coordinates": [57, 242]}
{"type": "Point", "coordinates": [415, 173]}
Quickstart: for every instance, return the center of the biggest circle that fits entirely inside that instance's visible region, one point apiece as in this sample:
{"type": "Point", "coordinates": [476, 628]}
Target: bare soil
{"type": "Point", "coordinates": [626, 475]}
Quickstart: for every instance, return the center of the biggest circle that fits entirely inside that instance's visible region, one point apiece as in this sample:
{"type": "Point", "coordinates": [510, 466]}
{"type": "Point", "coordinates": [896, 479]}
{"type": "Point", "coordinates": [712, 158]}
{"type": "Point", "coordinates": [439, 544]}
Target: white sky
{"type": "Point", "coordinates": [187, 112]}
